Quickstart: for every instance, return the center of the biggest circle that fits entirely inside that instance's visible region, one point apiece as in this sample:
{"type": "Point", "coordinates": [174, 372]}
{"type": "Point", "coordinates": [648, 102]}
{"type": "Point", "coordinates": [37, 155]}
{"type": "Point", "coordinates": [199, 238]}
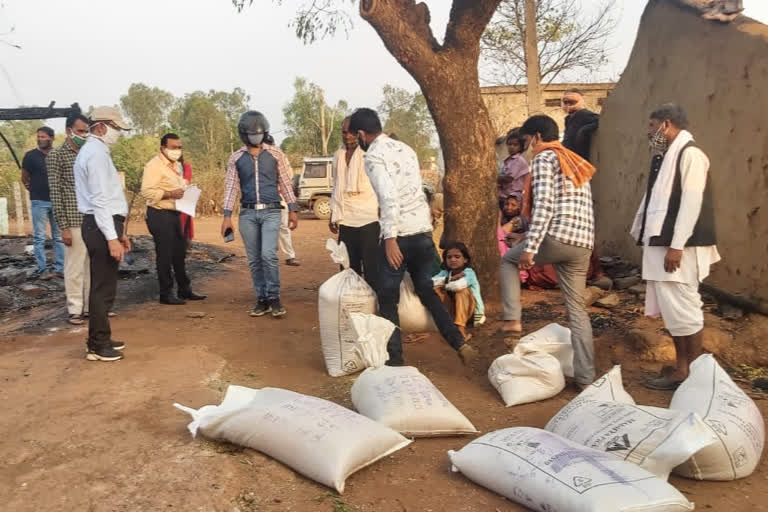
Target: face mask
{"type": "Point", "coordinates": [361, 142]}
{"type": "Point", "coordinates": [111, 137]}
{"type": "Point", "coordinates": [44, 144]}
{"type": "Point", "coordinates": [79, 140]}
{"type": "Point", "coordinates": [173, 154]}
{"type": "Point", "coordinates": [255, 139]}
{"type": "Point", "coordinates": [658, 141]}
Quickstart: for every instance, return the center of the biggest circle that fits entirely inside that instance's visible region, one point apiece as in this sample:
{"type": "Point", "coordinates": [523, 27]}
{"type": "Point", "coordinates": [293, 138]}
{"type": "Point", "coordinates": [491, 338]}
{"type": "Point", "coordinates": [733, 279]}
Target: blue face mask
{"type": "Point", "coordinates": [254, 139]}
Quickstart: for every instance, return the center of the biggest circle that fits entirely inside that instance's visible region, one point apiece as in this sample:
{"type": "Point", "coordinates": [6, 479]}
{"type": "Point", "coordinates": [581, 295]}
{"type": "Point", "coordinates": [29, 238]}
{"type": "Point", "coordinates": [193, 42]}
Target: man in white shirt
{"type": "Point", "coordinates": [406, 230]}
{"type": "Point", "coordinates": [101, 200]}
{"type": "Point", "coordinates": [354, 208]}
{"type": "Point", "coordinates": [676, 228]}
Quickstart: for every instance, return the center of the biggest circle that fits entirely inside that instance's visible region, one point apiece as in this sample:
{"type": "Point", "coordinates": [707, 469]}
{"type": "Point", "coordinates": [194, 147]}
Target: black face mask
{"type": "Point", "coordinates": [363, 145]}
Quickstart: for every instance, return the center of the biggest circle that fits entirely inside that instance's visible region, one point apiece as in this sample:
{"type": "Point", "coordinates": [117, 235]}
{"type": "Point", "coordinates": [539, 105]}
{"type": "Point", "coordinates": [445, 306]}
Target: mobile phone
{"type": "Point", "coordinates": [128, 258]}
{"type": "Point", "coordinates": [229, 235]}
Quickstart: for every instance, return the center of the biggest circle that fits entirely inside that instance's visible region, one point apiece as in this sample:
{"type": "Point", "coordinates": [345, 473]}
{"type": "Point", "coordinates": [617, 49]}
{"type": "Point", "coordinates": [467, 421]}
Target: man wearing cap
{"type": "Point", "coordinates": [101, 200]}
{"type": "Point", "coordinates": [262, 175]}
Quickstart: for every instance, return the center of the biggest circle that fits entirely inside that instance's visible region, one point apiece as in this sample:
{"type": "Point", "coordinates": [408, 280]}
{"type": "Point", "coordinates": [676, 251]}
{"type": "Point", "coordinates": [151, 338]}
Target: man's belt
{"type": "Point", "coordinates": [261, 206]}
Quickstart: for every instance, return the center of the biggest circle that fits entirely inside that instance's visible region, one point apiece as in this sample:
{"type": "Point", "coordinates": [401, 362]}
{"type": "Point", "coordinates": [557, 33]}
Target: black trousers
{"type": "Point", "coordinates": [363, 248]}
{"type": "Point", "coordinates": [170, 249]}
{"type": "Point", "coordinates": [104, 273]}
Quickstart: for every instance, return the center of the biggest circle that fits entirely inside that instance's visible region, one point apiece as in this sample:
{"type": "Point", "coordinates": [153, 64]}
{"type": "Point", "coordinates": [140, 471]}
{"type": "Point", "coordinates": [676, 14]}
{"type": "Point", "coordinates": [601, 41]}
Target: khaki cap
{"type": "Point", "coordinates": [109, 114]}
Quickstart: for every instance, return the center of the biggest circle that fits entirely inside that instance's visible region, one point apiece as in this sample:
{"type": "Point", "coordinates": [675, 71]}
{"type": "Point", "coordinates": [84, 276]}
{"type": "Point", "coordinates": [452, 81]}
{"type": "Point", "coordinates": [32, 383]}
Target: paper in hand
{"type": "Point", "coordinates": [188, 202]}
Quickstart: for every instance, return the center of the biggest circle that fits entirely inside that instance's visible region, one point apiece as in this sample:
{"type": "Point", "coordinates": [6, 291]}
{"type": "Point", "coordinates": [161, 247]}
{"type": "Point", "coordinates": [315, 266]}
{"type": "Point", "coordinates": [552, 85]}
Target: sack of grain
{"type": "Point", "coordinates": [526, 375]}
{"type": "Point", "coordinates": [317, 438]}
{"type": "Point", "coordinates": [407, 401]}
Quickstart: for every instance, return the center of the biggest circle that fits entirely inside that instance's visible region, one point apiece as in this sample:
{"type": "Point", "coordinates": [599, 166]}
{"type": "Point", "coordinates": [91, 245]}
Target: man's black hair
{"type": "Point", "coordinates": [167, 137]}
{"type": "Point", "coordinates": [673, 113]}
{"type": "Point", "coordinates": [575, 90]}
{"type": "Point", "coordinates": [543, 125]}
{"type": "Point", "coordinates": [70, 122]}
{"type": "Point", "coordinates": [46, 129]}
{"type": "Point", "coordinates": [365, 119]}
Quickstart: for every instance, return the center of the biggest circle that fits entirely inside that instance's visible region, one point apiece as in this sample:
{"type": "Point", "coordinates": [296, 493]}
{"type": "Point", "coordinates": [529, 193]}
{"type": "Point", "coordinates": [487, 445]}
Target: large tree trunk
{"type": "Point", "coordinates": [532, 66]}
{"type": "Point", "coordinates": [448, 77]}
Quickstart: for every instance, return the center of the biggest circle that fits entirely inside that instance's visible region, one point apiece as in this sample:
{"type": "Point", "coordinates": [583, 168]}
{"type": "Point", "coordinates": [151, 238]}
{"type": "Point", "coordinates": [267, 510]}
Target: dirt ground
{"type": "Point", "coordinates": [85, 436]}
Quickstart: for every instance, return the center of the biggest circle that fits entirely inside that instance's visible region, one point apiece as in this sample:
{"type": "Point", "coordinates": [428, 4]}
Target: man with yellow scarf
{"type": "Point", "coordinates": [561, 233]}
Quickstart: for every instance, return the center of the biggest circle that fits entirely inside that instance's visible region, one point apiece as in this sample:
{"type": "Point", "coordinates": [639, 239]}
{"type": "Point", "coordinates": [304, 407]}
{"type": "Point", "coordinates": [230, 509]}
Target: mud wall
{"type": "Point", "coordinates": [719, 74]}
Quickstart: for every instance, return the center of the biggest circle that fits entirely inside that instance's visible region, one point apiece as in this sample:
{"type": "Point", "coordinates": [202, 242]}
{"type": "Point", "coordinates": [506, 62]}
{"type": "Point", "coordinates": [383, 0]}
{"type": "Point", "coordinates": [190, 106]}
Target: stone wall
{"type": "Point", "coordinates": [508, 107]}
{"type": "Point", "coordinates": [719, 74]}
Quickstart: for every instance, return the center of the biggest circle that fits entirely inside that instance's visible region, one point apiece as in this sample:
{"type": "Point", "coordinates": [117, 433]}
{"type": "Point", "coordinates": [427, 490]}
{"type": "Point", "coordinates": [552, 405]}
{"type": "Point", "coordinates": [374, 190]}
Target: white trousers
{"type": "Point", "coordinates": [77, 274]}
{"type": "Point", "coordinates": [284, 241]}
{"type": "Point", "coordinates": [679, 305]}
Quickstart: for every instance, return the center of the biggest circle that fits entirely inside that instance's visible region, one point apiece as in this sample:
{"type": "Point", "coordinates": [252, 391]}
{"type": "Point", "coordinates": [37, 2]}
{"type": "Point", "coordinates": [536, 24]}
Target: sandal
{"type": "Point", "coordinates": [662, 383]}
{"type": "Point", "coordinates": [76, 320]}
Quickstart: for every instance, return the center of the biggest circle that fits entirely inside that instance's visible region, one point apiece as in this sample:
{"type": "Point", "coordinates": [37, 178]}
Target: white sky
{"type": "Point", "coordinates": [90, 51]}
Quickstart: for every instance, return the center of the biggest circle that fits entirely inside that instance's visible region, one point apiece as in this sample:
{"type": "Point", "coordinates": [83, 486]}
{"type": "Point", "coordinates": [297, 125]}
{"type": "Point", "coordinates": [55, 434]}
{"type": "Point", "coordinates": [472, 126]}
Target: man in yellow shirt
{"type": "Point", "coordinates": [162, 184]}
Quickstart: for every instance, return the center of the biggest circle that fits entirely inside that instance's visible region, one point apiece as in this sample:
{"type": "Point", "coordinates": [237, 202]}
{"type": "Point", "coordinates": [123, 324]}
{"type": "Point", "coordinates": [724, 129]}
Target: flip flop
{"type": "Point", "coordinates": [662, 384]}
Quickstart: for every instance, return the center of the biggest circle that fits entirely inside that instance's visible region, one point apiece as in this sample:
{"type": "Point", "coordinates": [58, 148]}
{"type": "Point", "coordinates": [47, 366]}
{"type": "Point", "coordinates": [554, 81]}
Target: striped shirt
{"type": "Point", "coordinates": [61, 182]}
{"type": "Point", "coordinates": [283, 178]}
{"type": "Point", "coordinates": [560, 209]}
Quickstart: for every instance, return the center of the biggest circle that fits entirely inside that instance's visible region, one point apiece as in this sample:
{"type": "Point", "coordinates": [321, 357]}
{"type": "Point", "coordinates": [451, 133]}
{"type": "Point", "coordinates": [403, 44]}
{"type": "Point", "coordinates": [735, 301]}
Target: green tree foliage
{"type": "Point", "coordinates": [146, 107]}
{"type": "Point", "coordinates": [130, 154]}
{"type": "Point", "coordinates": [406, 115]}
{"type": "Point", "coordinates": [312, 127]}
{"type": "Point", "coordinates": [21, 135]}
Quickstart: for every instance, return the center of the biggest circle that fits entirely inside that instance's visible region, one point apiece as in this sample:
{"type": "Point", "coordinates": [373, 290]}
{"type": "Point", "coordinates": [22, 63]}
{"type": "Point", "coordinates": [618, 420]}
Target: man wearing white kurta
{"type": "Point", "coordinates": [675, 226]}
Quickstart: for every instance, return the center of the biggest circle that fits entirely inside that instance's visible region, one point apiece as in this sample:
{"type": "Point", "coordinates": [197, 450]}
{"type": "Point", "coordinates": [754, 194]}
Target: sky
{"type": "Point", "coordinates": [90, 51]}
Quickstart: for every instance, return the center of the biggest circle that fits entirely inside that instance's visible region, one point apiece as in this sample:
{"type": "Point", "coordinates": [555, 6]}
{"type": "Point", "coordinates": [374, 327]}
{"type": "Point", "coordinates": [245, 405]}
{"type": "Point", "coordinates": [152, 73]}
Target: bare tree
{"type": "Point", "coordinates": [569, 41]}
{"type": "Point", "coordinates": [448, 76]}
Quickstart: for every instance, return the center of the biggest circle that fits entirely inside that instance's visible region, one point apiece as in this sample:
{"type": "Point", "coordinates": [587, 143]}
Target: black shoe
{"type": "Point", "coordinates": [117, 345]}
{"type": "Point", "coordinates": [172, 301]}
{"type": "Point", "coordinates": [277, 309]}
{"type": "Point", "coordinates": [103, 354]}
{"type": "Point", "coordinates": [190, 295]}
{"type": "Point", "coordinates": [261, 309]}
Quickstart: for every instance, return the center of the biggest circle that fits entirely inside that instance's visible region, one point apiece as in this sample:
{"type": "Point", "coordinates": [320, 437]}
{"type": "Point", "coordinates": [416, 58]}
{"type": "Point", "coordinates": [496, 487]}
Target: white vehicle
{"type": "Point", "coordinates": [316, 185]}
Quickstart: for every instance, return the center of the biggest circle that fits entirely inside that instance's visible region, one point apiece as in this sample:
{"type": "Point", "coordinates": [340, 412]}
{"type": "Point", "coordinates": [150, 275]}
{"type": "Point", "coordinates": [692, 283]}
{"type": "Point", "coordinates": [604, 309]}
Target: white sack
{"type": "Point", "coordinates": [547, 473]}
{"type": "Point", "coordinates": [317, 438]}
{"type": "Point", "coordinates": [344, 293]}
{"type": "Point", "coordinates": [730, 413]}
{"type": "Point", "coordinates": [414, 317]}
{"type": "Point", "coordinates": [608, 388]}
{"type": "Point", "coordinates": [371, 336]}
{"type": "Point", "coordinates": [653, 438]}
{"type": "Point", "coordinates": [556, 340]}
{"type": "Point", "coordinates": [407, 401]}
{"type": "Point", "coordinates": [526, 375]}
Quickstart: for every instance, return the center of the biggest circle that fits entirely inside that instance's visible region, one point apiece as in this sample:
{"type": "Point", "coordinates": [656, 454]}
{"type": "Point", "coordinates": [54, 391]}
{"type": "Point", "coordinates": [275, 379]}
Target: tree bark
{"type": "Point", "coordinates": [448, 77]}
{"type": "Point", "coordinates": [532, 65]}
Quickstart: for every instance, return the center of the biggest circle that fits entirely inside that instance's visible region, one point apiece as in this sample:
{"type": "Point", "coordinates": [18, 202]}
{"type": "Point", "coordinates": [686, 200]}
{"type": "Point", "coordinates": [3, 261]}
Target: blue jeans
{"type": "Point", "coordinates": [42, 214]}
{"type": "Point", "coordinates": [260, 230]}
{"type": "Point", "coordinates": [418, 258]}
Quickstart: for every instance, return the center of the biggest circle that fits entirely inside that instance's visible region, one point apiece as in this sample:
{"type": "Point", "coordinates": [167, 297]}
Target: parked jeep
{"type": "Point", "coordinates": [315, 186]}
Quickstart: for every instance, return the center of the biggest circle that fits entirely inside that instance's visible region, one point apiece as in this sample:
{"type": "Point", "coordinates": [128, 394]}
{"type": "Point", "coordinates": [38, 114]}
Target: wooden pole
{"type": "Point", "coordinates": [532, 65]}
{"type": "Point", "coordinates": [3, 216]}
{"type": "Point", "coordinates": [19, 208]}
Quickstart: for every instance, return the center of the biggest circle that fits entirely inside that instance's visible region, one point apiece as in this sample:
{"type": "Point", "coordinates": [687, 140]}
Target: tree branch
{"type": "Point", "coordinates": [467, 22]}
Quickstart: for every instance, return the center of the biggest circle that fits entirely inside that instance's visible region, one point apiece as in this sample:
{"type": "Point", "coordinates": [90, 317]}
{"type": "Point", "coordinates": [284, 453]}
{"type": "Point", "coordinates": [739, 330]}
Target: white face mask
{"type": "Point", "coordinates": [173, 154]}
{"type": "Point", "coordinates": [111, 137]}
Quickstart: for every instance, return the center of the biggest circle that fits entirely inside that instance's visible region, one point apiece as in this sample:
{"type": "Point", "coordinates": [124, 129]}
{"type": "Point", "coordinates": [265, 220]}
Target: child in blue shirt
{"type": "Point", "coordinates": [457, 286]}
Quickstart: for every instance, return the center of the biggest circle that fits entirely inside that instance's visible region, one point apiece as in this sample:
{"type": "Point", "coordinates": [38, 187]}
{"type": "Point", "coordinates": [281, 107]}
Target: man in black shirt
{"type": "Point", "coordinates": [34, 175]}
{"type": "Point", "coordinates": [580, 123]}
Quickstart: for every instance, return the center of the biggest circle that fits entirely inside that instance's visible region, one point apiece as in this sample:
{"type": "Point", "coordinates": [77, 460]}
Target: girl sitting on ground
{"type": "Point", "coordinates": [513, 225]}
{"type": "Point", "coordinates": [457, 286]}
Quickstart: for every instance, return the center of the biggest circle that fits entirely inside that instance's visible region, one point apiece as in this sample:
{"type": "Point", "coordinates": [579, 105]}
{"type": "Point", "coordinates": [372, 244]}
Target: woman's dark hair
{"type": "Point", "coordinates": [543, 125]}
{"type": "Point", "coordinates": [464, 252]}
{"type": "Point", "coordinates": [514, 134]}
